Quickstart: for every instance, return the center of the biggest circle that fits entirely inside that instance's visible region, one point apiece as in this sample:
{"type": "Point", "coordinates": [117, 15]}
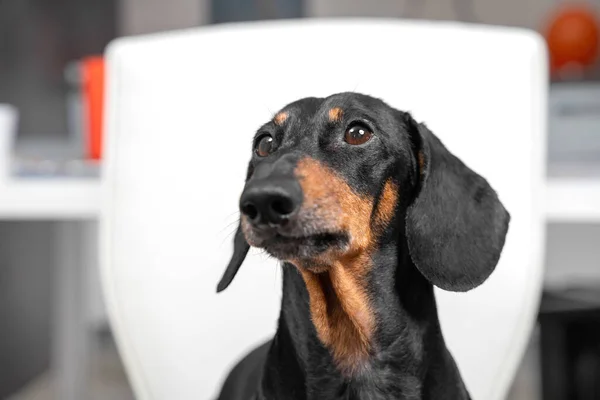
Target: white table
{"type": "Point", "coordinates": [573, 200]}
{"type": "Point", "coordinates": [48, 199]}
{"type": "Point", "coordinates": [75, 205]}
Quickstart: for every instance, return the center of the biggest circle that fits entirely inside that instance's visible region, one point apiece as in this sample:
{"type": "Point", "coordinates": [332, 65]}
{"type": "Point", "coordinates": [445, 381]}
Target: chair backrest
{"type": "Point", "coordinates": [181, 111]}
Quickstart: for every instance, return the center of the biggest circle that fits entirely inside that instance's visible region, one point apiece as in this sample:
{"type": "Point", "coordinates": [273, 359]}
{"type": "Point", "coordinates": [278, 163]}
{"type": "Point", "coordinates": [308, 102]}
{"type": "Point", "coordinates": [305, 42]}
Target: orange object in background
{"type": "Point", "coordinates": [93, 98]}
{"type": "Point", "coordinates": [573, 37]}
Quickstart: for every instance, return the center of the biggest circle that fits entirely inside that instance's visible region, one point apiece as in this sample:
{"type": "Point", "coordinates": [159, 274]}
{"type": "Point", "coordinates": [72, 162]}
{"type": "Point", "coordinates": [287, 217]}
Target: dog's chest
{"type": "Point", "coordinates": [381, 385]}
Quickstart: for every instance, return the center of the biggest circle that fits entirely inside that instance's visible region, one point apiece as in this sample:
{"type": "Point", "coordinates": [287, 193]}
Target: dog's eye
{"type": "Point", "coordinates": [264, 146]}
{"type": "Point", "coordinates": [357, 133]}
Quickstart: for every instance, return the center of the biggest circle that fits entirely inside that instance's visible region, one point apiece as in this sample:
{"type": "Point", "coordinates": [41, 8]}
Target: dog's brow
{"type": "Point", "coordinates": [280, 118]}
{"type": "Point", "coordinates": [335, 114]}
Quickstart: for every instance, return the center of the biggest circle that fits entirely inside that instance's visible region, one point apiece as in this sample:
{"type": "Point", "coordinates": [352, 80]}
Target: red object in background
{"type": "Point", "coordinates": [573, 37]}
{"type": "Point", "coordinates": [93, 95]}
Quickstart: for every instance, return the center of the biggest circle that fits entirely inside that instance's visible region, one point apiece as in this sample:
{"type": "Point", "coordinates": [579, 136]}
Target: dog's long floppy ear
{"type": "Point", "coordinates": [456, 225]}
{"type": "Point", "coordinates": [240, 250]}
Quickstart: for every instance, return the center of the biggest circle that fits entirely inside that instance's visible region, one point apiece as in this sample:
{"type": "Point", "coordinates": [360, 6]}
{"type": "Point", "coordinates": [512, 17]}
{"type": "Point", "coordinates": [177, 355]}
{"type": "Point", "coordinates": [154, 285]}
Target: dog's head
{"type": "Point", "coordinates": [329, 177]}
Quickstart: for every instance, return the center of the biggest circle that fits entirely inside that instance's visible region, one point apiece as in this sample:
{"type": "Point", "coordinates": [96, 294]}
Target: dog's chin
{"type": "Point", "coordinates": [286, 248]}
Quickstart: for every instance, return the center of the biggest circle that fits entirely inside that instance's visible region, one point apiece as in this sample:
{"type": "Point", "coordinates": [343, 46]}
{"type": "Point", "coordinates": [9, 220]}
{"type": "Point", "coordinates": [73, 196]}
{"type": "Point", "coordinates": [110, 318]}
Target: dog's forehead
{"type": "Point", "coordinates": [299, 112]}
{"type": "Point", "coordinates": [332, 107]}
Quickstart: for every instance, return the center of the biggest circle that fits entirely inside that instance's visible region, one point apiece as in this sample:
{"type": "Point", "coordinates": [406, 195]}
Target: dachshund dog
{"type": "Point", "coordinates": [367, 211]}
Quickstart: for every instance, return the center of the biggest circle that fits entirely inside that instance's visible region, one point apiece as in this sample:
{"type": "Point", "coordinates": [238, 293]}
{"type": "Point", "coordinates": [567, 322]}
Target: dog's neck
{"type": "Point", "coordinates": [407, 357]}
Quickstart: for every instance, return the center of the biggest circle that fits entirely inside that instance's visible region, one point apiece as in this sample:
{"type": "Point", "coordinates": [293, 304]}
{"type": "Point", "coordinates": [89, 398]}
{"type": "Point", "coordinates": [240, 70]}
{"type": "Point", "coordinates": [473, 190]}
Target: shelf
{"type": "Point", "coordinates": [58, 199]}
{"type": "Point", "coordinates": [573, 200]}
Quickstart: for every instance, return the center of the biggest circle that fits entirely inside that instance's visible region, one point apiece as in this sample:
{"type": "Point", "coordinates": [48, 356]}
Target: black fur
{"type": "Point", "coordinates": [448, 230]}
{"type": "Point", "coordinates": [456, 225]}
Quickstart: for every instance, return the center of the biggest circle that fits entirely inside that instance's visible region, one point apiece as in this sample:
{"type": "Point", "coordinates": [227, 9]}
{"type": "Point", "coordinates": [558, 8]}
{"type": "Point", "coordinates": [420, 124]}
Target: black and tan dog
{"type": "Point", "coordinates": [367, 210]}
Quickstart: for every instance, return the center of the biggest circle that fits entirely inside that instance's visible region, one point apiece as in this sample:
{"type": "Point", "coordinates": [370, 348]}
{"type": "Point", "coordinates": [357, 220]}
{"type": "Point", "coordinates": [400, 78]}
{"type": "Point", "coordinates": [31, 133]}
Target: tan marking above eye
{"type": "Point", "coordinates": [281, 117]}
{"type": "Point", "coordinates": [335, 114]}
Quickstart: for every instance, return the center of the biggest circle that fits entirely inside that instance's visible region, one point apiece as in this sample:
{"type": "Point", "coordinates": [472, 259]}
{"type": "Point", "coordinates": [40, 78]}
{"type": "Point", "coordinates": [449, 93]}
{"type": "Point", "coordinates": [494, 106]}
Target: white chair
{"type": "Point", "coordinates": [182, 109]}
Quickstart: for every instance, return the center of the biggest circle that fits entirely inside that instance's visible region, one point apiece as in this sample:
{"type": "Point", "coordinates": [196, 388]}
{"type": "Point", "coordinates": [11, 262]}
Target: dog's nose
{"type": "Point", "coordinates": [271, 202]}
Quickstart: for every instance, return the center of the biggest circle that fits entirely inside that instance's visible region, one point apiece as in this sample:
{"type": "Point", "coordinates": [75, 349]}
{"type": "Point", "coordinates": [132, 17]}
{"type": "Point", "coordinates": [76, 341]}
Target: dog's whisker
{"type": "Point", "coordinates": [269, 110]}
{"type": "Point", "coordinates": [233, 214]}
{"type": "Point", "coordinates": [229, 234]}
{"type": "Point", "coordinates": [229, 225]}
{"type": "Point", "coordinates": [227, 237]}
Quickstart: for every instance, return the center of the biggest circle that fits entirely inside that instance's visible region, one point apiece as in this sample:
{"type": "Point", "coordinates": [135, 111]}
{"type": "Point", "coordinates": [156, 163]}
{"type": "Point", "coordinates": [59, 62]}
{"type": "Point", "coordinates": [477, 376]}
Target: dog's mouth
{"type": "Point", "coordinates": [286, 247]}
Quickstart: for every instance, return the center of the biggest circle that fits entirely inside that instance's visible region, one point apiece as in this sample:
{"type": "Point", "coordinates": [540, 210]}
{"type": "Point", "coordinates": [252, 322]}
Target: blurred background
{"type": "Point", "coordinates": [50, 70]}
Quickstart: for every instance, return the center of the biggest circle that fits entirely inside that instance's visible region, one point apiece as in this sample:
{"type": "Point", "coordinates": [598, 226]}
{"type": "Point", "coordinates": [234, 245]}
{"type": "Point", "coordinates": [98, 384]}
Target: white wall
{"type": "Point", "coordinates": [524, 13]}
{"type": "Point", "coordinates": [149, 16]}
